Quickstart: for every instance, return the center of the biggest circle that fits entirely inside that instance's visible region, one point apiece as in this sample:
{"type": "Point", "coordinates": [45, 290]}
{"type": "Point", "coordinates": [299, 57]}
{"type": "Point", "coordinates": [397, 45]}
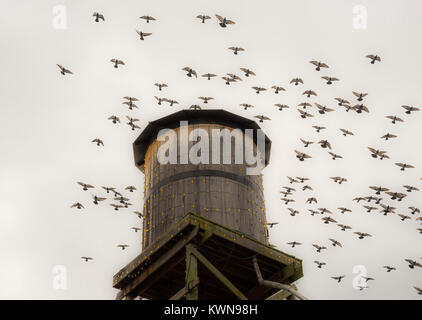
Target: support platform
{"type": "Point", "coordinates": [199, 259]}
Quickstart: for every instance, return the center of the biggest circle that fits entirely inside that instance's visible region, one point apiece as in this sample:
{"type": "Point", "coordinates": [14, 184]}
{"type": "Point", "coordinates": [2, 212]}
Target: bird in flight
{"type": "Point", "coordinates": [330, 79]}
{"type": "Point", "coordinates": [203, 17]}
{"type": "Point", "coordinates": [236, 49]}
{"type": "Point", "coordinates": [148, 18]}
{"type": "Point", "coordinates": [205, 99]}
{"type": "Point", "coordinates": [306, 143]}
{"type": "Point", "coordinates": [77, 205]}
{"type": "Point", "coordinates": [277, 89]}
{"type": "Point", "coordinates": [343, 227]}
{"type": "Point", "coordinates": [160, 86]}
{"type": "Point", "coordinates": [373, 58]}
{"type": "Point", "coordinates": [335, 243]}
{"type": "Point", "coordinates": [359, 108]}
{"type": "Point", "coordinates": [304, 114]}
{"type": "Point", "coordinates": [108, 189]}
{"type": "Point", "coordinates": [320, 264]}
{"type": "Point", "coordinates": [224, 21]}
{"type": "Point", "coordinates": [403, 217]}
{"type": "Point", "coordinates": [296, 81]}
{"type": "Point", "coordinates": [409, 109]}
{"type": "Point", "coordinates": [304, 105]}
{"type": "Point", "coordinates": [389, 268]}
{"type": "Point", "coordinates": [378, 190]}
{"type": "Point", "coordinates": [319, 65]}
{"type": "Point", "coordinates": [123, 246]}
{"type": "Point", "coordinates": [246, 106]}
{"type": "Point", "coordinates": [346, 132]}
{"type": "Point", "coordinates": [318, 128]}
{"type": "Point", "coordinates": [302, 156]}
{"type": "Point", "coordinates": [248, 72]}
{"type": "Point", "coordinates": [117, 62]}
{"type": "Point", "coordinates": [413, 264]}
{"type": "Point", "coordinates": [272, 224]}
{"type": "Point", "coordinates": [394, 119]}
{"type": "Point", "coordinates": [262, 118]}
{"type": "Point", "coordinates": [362, 235]}
{"type": "Point", "coordinates": [130, 102]}
{"type": "Point", "coordinates": [130, 188]}
{"type": "Point", "coordinates": [259, 89]}
{"type": "Point", "coordinates": [338, 278]}
{"type": "Point", "coordinates": [87, 258]}
{"type": "Point", "coordinates": [190, 72]}
{"type": "Point", "coordinates": [99, 142]}
{"type": "Point", "coordinates": [343, 210]}
{"type": "Point", "coordinates": [294, 243]}
{"type": "Point", "coordinates": [142, 35]}
{"type": "Point", "coordinates": [388, 136]}
{"type": "Point", "coordinates": [281, 106]}
{"type": "Point", "coordinates": [302, 180]}
{"type": "Point", "coordinates": [360, 96]}
{"type": "Point", "coordinates": [98, 16]}
{"type": "Point", "coordinates": [387, 209]}
{"type": "Point", "coordinates": [293, 212]}
{"type": "Point", "coordinates": [319, 248]}
{"type": "Point", "coordinates": [96, 199]}
{"type": "Point", "coordinates": [324, 144]}
{"type": "Point", "coordinates": [370, 208]}
{"type": "Point", "coordinates": [414, 210]}
{"type": "Point", "coordinates": [114, 119]}
{"type": "Point", "coordinates": [309, 93]}
{"type": "Point", "coordinates": [342, 102]}
{"type": "Point", "coordinates": [63, 70]}
{"type": "Point", "coordinates": [338, 180]}
{"type": "Point", "coordinates": [419, 290]}
{"type": "Point", "coordinates": [313, 212]}
{"type": "Point", "coordinates": [85, 186]}
{"type": "Point", "coordinates": [327, 220]}
{"type": "Point", "coordinates": [116, 206]}
{"type": "Point", "coordinates": [377, 153]}
{"type": "Point", "coordinates": [403, 166]}
{"type": "Point", "coordinates": [287, 200]}
{"type": "Point", "coordinates": [323, 109]}
{"type": "Point", "coordinates": [209, 75]}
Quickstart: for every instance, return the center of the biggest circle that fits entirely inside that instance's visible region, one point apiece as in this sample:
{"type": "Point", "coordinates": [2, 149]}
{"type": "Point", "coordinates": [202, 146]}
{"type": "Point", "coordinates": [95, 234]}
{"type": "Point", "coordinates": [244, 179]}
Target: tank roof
{"type": "Point", "coordinates": [214, 116]}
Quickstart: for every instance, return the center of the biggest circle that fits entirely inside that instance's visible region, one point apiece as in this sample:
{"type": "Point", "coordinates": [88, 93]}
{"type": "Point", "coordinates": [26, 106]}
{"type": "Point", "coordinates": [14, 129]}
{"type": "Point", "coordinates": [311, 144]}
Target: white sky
{"type": "Point", "coordinates": [48, 122]}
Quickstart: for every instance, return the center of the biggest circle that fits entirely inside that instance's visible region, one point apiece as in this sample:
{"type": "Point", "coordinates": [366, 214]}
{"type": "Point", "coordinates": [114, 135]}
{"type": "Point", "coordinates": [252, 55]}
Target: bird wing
{"type": "Point", "coordinates": [219, 18]}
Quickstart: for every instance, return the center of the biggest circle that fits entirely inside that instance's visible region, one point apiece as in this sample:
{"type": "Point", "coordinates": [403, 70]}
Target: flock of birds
{"type": "Point", "coordinates": [373, 202]}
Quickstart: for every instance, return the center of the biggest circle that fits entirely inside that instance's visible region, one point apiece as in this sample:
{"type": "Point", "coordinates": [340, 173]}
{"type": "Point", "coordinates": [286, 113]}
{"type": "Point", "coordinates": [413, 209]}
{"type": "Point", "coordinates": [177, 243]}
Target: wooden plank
{"type": "Point", "coordinates": [191, 274]}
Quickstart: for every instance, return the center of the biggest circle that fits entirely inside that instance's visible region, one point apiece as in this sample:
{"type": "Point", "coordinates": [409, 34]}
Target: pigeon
{"type": "Point", "coordinates": [343, 210]}
{"type": "Point", "coordinates": [294, 243]}
{"type": "Point", "coordinates": [117, 62]}
{"type": "Point", "coordinates": [205, 99]}
{"type": "Point", "coordinates": [287, 200]}
{"type": "Point", "coordinates": [324, 210]}
{"type": "Point", "coordinates": [148, 18]}
{"type": "Point", "coordinates": [302, 156]}
{"type": "Point", "coordinates": [123, 246]}
{"type": "Point", "coordinates": [377, 153]}
{"type": "Point", "coordinates": [136, 229]}
{"type": "Point", "coordinates": [228, 80]}
{"type": "Point", "coordinates": [324, 144]}
{"type": "Point", "coordinates": [130, 188]}
{"type": "Point", "coordinates": [304, 105]}
{"type": "Point", "coordinates": [318, 128]}
{"type": "Point", "coordinates": [63, 70]}
{"type": "Point", "coordinates": [320, 264]}
{"type": "Point", "coordinates": [130, 102]}
{"type": "Point", "coordinates": [319, 65]}
{"type": "Point", "coordinates": [414, 210]}
{"type": "Point", "coordinates": [190, 72]}
{"type": "Point", "coordinates": [272, 224]}
{"type": "Point", "coordinates": [373, 58]}
{"type": "Point", "coordinates": [378, 190]}
{"type": "Point", "coordinates": [319, 248]}
{"type": "Point", "coordinates": [403, 166]}
{"type": "Point", "coordinates": [234, 77]}
{"type": "Point", "coordinates": [335, 243]}
{"type": "Point", "coordinates": [246, 106]}
{"type": "Point", "coordinates": [396, 195]}
{"type": "Point", "coordinates": [327, 220]}
{"type": "Point", "coordinates": [195, 107]}
{"type": "Point", "coordinates": [281, 106]}
{"type": "Point", "coordinates": [310, 200]}
{"type": "Point", "coordinates": [359, 96]}
{"type": "Point", "coordinates": [224, 21]}
{"type": "Point", "coordinates": [330, 79]}
{"type": "Point", "coordinates": [313, 212]}
{"type": "Point", "coordinates": [262, 118]}
{"type": "Point", "coordinates": [96, 199]}
{"type": "Point", "coordinates": [108, 189]}
{"type": "Point", "coordinates": [370, 208]}
{"type": "Point", "coordinates": [338, 278]}
{"type": "Point", "coordinates": [412, 263]}
{"type": "Point", "coordinates": [258, 89]}
{"type": "Point", "coordinates": [387, 209]}
{"type": "Point", "coordinates": [98, 16]}
{"type": "Point", "coordinates": [114, 119]}
{"type": "Point", "coordinates": [85, 185]}
{"type": "Point", "coordinates": [296, 81]}
{"type": "Point", "coordinates": [302, 180]}
{"type": "Point", "coordinates": [346, 132]}
{"type": "Point", "coordinates": [389, 269]}
{"type": "Point", "coordinates": [359, 108]}
{"type": "Point", "coordinates": [87, 258]}
{"type": "Point", "coordinates": [248, 72]}
{"type": "Point", "coordinates": [277, 89]}
{"type": "Point", "coordinates": [323, 109]}
{"type": "Point", "coordinates": [403, 217]}
{"type": "Point", "coordinates": [116, 206]}
{"type": "Point", "coordinates": [172, 102]}
{"type": "Point", "coordinates": [309, 93]}
{"type": "Point", "coordinates": [99, 142]}
{"type": "Point", "coordinates": [338, 180]}
{"type": "Point", "coordinates": [343, 227]}
{"type": "Point", "coordinates": [292, 180]}
{"type": "Point", "coordinates": [236, 49]}
{"type": "Point", "coordinates": [304, 114]}
{"type": "Point", "coordinates": [394, 119]}
{"type": "Point", "coordinates": [419, 290]}
{"type": "Point", "coordinates": [409, 109]}
{"type": "Point", "coordinates": [388, 136]}
{"type": "Point", "coordinates": [77, 205]}
{"type": "Point", "coordinates": [203, 17]}
{"type": "Point", "coordinates": [160, 85]}
{"type": "Point", "coordinates": [342, 102]}
{"type": "Point", "coordinates": [209, 75]}
{"type": "Point", "coordinates": [293, 212]}
{"type": "Point", "coordinates": [306, 143]}
{"type": "Point", "coordinates": [142, 35]}
{"type": "Point", "coordinates": [160, 100]}
{"type": "Point", "coordinates": [362, 235]}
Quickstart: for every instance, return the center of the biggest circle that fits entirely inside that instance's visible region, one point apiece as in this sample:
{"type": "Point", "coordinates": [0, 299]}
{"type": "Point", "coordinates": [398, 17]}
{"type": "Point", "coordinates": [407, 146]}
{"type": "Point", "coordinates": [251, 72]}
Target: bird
{"type": "Point", "coordinates": [338, 180]}
{"type": "Point", "coordinates": [319, 65]}
{"type": "Point", "coordinates": [342, 102]}
{"type": "Point", "coordinates": [377, 153]}
{"type": "Point", "coordinates": [133, 126]}
{"type": "Point", "coordinates": [277, 89]}
{"type": "Point", "coordinates": [287, 200]}
{"type": "Point", "coordinates": [414, 210]}
{"type": "Point", "coordinates": [63, 70]}
{"type": "Point", "coordinates": [323, 109]}
{"type": "Point", "coordinates": [123, 246]}
{"type": "Point", "coordinates": [259, 89]}
{"type": "Point", "coordinates": [313, 212]}
{"type": "Point", "coordinates": [419, 290]}
{"type": "Point", "coordinates": [190, 72]}
{"type": "Point", "coordinates": [395, 119]}
{"type": "Point", "coordinates": [304, 114]}
{"type": "Point", "coordinates": [312, 199]}
{"type": "Point", "coordinates": [327, 220]}
{"type": "Point", "coordinates": [302, 180]}
{"type": "Point", "coordinates": [347, 132]}
{"type": "Point", "coordinates": [203, 17]}
{"type": "Point", "coordinates": [306, 143]}
{"type": "Point", "coordinates": [85, 185]}
{"type": "Point", "coordinates": [319, 248]}
{"type": "Point", "coordinates": [96, 199]}
{"type": "Point", "coordinates": [362, 235]}
{"type": "Point", "coordinates": [335, 243]}
{"type": "Point", "coordinates": [289, 189]}
{"type": "Point", "coordinates": [403, 217]}
{"type": "Point", "coordinates": [262, 118]}
{"type": "Point", "coordinates": [160, 100]}
{"type": "Point", "coordinates": [236, 49]}
{"type": "Point", "coordinates": [410, 188]}
{"type": "Point", "coordinates": [409, 109]}
{"type": "Point", "coordinates": [228, 80]}
{"type": "Point", "coordinates": [388, 136]}
{"type": "Point", "coordinates": [224, 21]}
{"type": "Point", "coordinates": [108, 189]}
{"type": "Point", "coordinates": [209, 75]}
{"type": "Point", "coordinates": [246, 106]}
{"type": "Point", "coordinates": [387, 209]}
{"type": "Point", "coordinates": [142, 35]}
{"type": "Point", "coordinates": [373, 58]}
{"type": "Point", "coordinates": [130, 102]}
{"type": "Point", "coordinates": [131, 120]}
{"type": "Point", "coordinates": [292, 180]}
{"type": "Point", "coordinates": [172, 102]}
{"type": "Point", "coordinates": [130, 188]}
{"type": "Point", "coordinates": [293, 212]}
{"type": "Point", "coordinates": [87, 258]}
{"type": "Point", "coordinates": [160, 86]}
{"type": "Point", "coordinates": [335, 156]}
{"type": "Point", "coordinates": [358, 199]}
{"type": "Point", "coordinates": [378, 190]}
{"type": "Point", "coordinates": [285, 193]}
{"type": "Point", "coordinates": [318, 128]}
{"type": "Point", "coordinates": [403, 166]}
{"type": "Point", "coordinates": [99, 142]}
{"type": "Point", "coordinates": [309, 93]}
{"type": "Point", "coordinates": [324, 210]}
{"type": "Point", "coordinates": [330, 79]}
{"type": "Point", "coordinates": [396, 195]}
{"type": "Point", "coordinates": [320, 264]}
{"type": "Point", "coordinates": [343, 210]}
{"type": "Point", "coordinates": [389, 268]}
{"type": "Point", "coordinates": [77, 205]}
{"type": "Point", "coordinates": [360, 96]}
{"type": "Point", "coordinates": [234, 77]}
{"type": "Point", "coordinates": [248, 72]}
{"type": "Point", "coordinates": [136, 229]}
{"type": "Point", "coordinates": [121, 199]}
{"type": "Point", "coordinates": [98, 16]}
{"type": "Point", "coordinates": [324, 144]}
{"type": "Point", "coordinates": [302, 156]}
{"type": "Point", "coordinates": [306, 188]}
{"type": "Point", "coordinates": [359, 108]}
{"type": "Point", "coordinates": [148, 18]}
{"type": "Point", "coordinates": [348, 107]}
{"type": "Point", "coordinates": [370, 208]}
{"type": "Point", "coordinates": [195, 107]}
{"type": "Point", "coordinates": [294, 243]}
{"type": "Point", "coordinates": [343, 227]}
{"type": "Point", "coordinates": [114, 119]}
{"type": "Point", "coordinates": [117, 62]}
{"type": "Point", "coordinates": [304, 105]}
{"type": "Point", "coordinates": [412, 263]}
{"type": "Point", "coordinates": [205, 99]}
{"type": "Point", "coordinates": [281, 106]}
{"type": "Point", "coordinates": [272, 224]}
{"type": "Point", "coordinates": [116, 206]}
{"type": "Point", "coordinates": [296, 81]}
{"type": "Point", "coordinates": [338, 278]}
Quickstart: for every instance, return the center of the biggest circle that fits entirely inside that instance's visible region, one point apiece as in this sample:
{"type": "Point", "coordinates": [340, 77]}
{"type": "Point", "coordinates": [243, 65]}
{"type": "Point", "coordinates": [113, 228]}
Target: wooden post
{"type": "Point", "coordinates": [192, 279]}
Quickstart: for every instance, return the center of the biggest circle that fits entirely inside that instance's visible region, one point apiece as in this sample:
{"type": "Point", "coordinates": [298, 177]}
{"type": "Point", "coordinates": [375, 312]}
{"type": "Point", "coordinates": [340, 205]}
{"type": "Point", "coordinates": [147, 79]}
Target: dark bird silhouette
{"type": "Point", "coordinates": [302, 180]}
{"type": "Point", "coordinates": [292, 180]}
{"type": "Point", "coordinates": [302, 156]}
{"type": "Point", "coordinates": [130, 102]}
{"type": "Point", "coordinates": [319, 65]}
{"type": "Point", "coordinates": [307, 187]}
{"type": "Point", "coordinates": [203, 17]}
{"type": "Point", "coordinates": [259, 89]}
{"type": "Point", "coordinates": [309, 93]}
{"type": "Point", "coordinates": [373, 58]}
{"type": "Point", "coordinates": [98, 16]}
{"type": "Point", "coordinates": [410, 188]}
{"type": "Point", "coordinates": [320, 264]}
{"type": "Point", "coordinates": [205, 99]}
{"type": "Point", "coordinates": [304, 105]}
{"type": "Point", "coordinates": [394, 119]}
{"type": "Point", "coordinates": [228, 80]}
{"type": "Point", "coordinates": [289, 189]}
{"type": "Point", "coordinates": [362, 235]}
{"type": "Point", "coordinates": [123, 246]}
{"type": "Point", "coordinates": [287, 200]}
{"type": "Point", "coordinates": [136, 229]}
{"type": "Point", "coordinates": [224, 21]}
{"type": "Point", "coordinates": [335, 243]}
{"type": "Point", "coordinates": [63, 70]}
{"type": "Point", "coordinates": [87, 258]}
{"type": "Point", "coordinates": [347, 132]}
{"type": "Point", "coordinates": [377, 153]}
{"type": "Point", "coordinates": [312, 199]}
{"type": "Point", "coordinates": [116, 206]}
{"type": "Point", "coordinates": [403, 166]}
{"type": "Point", "coordinates": [148, 18]}
{"type": "Point", "coordinates": [327, 220]}
{"type": "Point", "coordinates": [114, 119]}
{"type": "Point", "coordinates": [160, 100]}
{"type": "Point", "coordinates": [85, 186]}
{"type": "Point", "coordinates": [96, 199]}
{"type": "Point", "coordinates": [378, 190]}
{"type": "Point", "coordinates": [99, 142]}
{"type": "Point", "coordinates": [330, 79]}
{"type": "Point", "coordinates": [414, 210]}
{"type": "Point", "coordinates": [130, 188]}
{"type": "Point", "coordinates": [360, 96]}
{"type": "Point", "coordinates": [160, 85]}
{"type": "Point", "coordinates": [413, 264]}
{"type": "Point", "coordinates": [344, 227]}
{"type": "Point", "coordinates": [338, 278]}
{"type": "Point", "coordinates": [324, 210]}
{"type": "Point", "coordinates": [323, 109]}
{"type": "Point", "coordinates": [359, 108]}
{"type": "Point", "coordinates": [190, 72]}
{"type": "Point", "coordinates": [387, 209]}
{"type": "Point", "coordinates": [294, 243]}
{"type": "Point", "coordinates": [306, 143]}
{"type": "Point", "coordinates": [195, 107]}
{"type": "Point", "coordinates": [293, 212]}
{"type": "Point", "coordinates": [248, 72]}
{"type": "Point", "coordinates": [338, 180]}
{"type": "Point", "coordinates": [319, 248]}
{"type": "Point", "coordinates": [313, 212]}
{"type": "Point", "coordinates": [139, 214]}
{"type": "Point", "coordinates": [388, 136]}
{"type": "Point", "coordinates": [281, 106]}
{"type": "Point", "coordinates": [403, 217]}
{"type": "Point", "coordinates": [343, 210]}
{"type": "Point", "coordinates": [409, 109]}
{"type": "Point", "coordinates": [236, 49]}
{"type": "Point", "coordinates": [108, 189]}
{"type": "Point", "coordinates": [277, 89]}
{"type": "Point", "coordinates": [171, 102]}
{"type": "Point", "coordinates": [419, 290]}
{"type": "Point", "coordinates": [117, 62]}
{"type": "Point", "coordinates": [318, 128]}
{"type": "Point", "coordinates": [246, 106]}
{"type": "Point", "coordinates": [324, 144]}
{"type": "Point", "coordinates": [396, 195]}
{"type": "Point", "coordinates": [304, 114]}
{"type": "Point", "coordinates": [209, 75]}
{"type": "Point", "coordinates": [389, 269]}
{"type": "Point", "coordinates": [142, 35]}
{"type": "Point", "coordinates": [342, 102]}
{"type": "Point", "coordinates": [370, 208]}
{"type": "Point", "coordinates": [77, 205]}
{"type": "Point", "coordinates": [261, 117]}
{"type": "Point", "coordinates": [296, 81]}
{"type": "Point", "coordinates": [271, 224]}
{"type": "Point", "coordinates": [234, 77]}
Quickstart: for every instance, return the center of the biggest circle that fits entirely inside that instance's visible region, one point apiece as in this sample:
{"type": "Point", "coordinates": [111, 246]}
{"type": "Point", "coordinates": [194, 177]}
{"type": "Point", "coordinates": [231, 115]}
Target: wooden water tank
{"type": "Point", "coordinates": [221, 192]}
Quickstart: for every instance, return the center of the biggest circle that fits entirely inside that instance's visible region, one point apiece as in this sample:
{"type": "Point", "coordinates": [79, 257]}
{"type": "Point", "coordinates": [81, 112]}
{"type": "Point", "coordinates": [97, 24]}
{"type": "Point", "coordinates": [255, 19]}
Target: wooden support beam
{"type": "Point", "coordinates": [182, 292]}
{"type": "Point", "coordinates": [191, 274]}
{"type": "Point", "coordinates": [218, 275]}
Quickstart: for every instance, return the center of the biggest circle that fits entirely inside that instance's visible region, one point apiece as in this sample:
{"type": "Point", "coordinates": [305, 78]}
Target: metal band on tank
{"type": "Point", "coordinates": [200, 173]}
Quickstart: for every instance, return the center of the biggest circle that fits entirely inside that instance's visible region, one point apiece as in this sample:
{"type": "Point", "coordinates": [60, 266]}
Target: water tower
{"type": "Point", "coordinates": [204, 225]}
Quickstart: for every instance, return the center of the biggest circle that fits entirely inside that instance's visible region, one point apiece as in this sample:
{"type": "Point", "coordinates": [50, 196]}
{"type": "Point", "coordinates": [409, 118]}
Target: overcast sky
{"type": "Point", "coordinates": [48, 121]}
